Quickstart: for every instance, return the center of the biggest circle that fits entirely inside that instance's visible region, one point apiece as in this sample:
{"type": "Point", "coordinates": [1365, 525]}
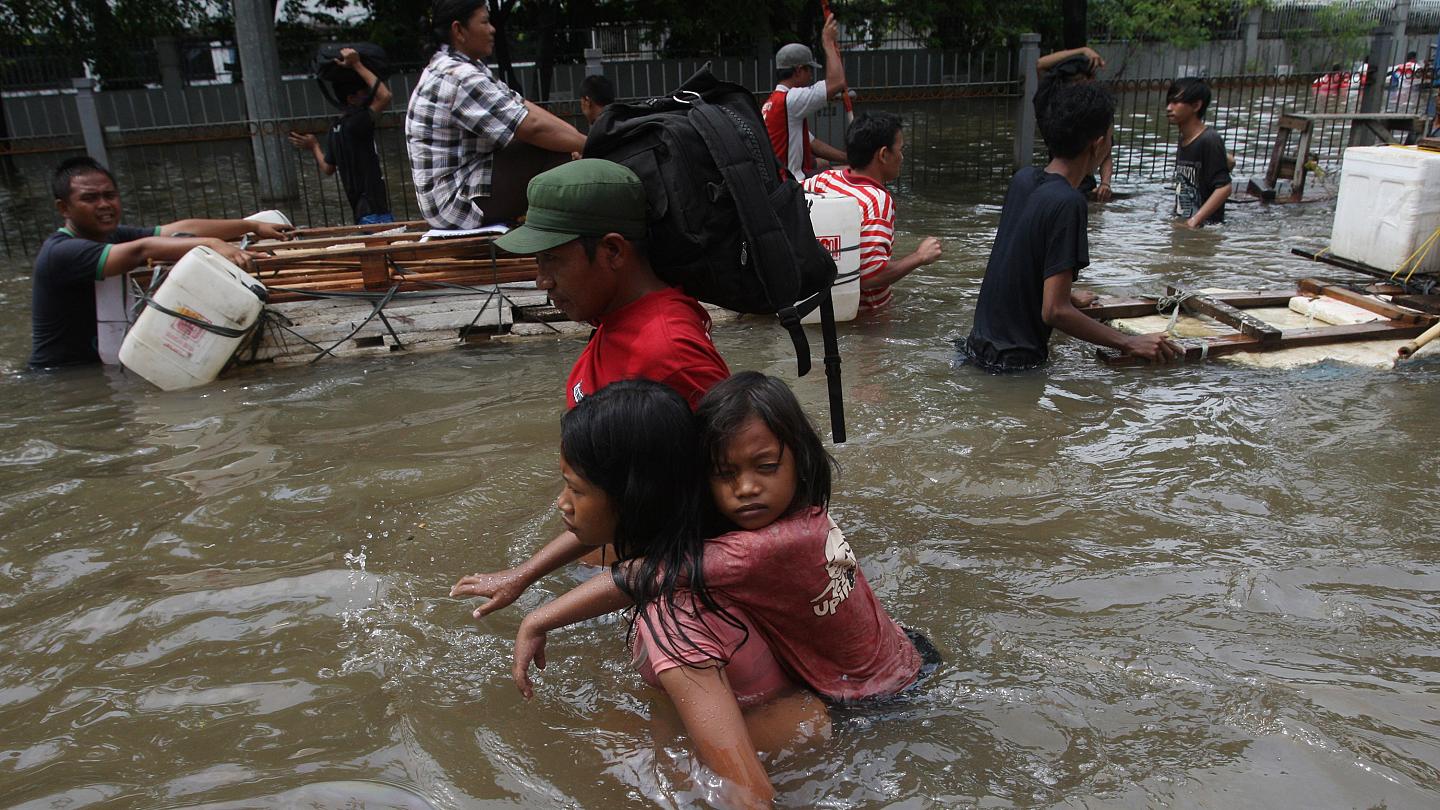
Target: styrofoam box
{"type": "Point", "coordinates": [1389, 204]}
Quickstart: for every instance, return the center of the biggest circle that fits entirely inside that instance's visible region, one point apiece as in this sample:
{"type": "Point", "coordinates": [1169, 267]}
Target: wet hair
{"type": "Point", "coordinates": [786, 74]}
{"type": "Point", "coordinates": [1411, 56]}
{"type": "Point", "coordinates": [598, 89]}
{"type": "Point", "coordinates": [71, 168]}
{"type": "Point", "coordinates": [1188, 91]}
{"type": "Point", "coordinates": [868, 134]}
{"type": "Point", "coordinates": [724, 411]}
{"type": "Point", "coordinates": [637, 441]}
{"type": "Point", "coordinates": [1074, 115]}
{"type": "Point", "coordinates": [445, 12]}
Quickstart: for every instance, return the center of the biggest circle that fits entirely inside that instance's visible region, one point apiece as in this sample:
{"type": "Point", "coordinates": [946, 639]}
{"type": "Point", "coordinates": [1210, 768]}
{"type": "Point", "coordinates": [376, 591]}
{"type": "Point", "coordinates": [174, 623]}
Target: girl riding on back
{"type": "Point", "coordinates": [633, 477]}
{"type": "Point", "coordinates": [779, 557]}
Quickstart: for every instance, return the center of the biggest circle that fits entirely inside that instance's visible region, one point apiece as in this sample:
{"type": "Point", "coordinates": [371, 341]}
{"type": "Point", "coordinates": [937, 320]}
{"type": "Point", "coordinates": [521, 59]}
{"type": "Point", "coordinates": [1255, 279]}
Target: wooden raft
{"type": "Point", "coordinates": [359, 292]}
{"type": "Point", "coordinates": [1251, 334]}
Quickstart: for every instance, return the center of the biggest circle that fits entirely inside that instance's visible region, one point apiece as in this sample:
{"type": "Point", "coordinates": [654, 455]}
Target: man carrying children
{"type": "Point", "coordinates": [875, 147]}
{"type": "Point", "coordinates": [1202, 169]}
{"type": "Point", "coordinates": [1041, 247]}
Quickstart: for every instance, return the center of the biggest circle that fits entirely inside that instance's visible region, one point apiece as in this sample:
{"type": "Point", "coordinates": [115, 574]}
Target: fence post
{"type": "Point", "coordinates": [594, 66]}
{"type": "Point", "coordinates": [1251, 27]}
{"type": "Point", "coordinates": [1400, 14]}
{"type": "Point", "coordinates": [1372, 99]}
{"type": "Point", "coordinates": [260, 62]}
{"type": "Point", "coordinates": [1025, 116]}
{"type": "Point", "coordinates": [90, 119]}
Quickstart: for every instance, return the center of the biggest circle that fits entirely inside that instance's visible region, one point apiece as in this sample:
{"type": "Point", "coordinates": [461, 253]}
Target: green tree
{"type": "Point", "coordinates": [100, 32]}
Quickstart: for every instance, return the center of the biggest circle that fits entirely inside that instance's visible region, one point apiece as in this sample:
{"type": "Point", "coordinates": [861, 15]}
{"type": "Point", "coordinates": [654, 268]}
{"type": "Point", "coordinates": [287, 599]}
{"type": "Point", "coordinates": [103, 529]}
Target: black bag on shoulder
{"type": "Point", "coordinates": [327, 72]}
{"type": "Point", "coordinates": [725, 226]}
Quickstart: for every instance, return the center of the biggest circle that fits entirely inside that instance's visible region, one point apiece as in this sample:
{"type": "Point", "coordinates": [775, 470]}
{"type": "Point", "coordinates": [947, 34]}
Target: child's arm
{"type": "Point", "coordinates": [596, 597]}
{"type": "Point", "coordinates": [928, 252]}
{"type": "Point", "coordinates": [306, 142]}
{"type": "Point", "coordinates": [712, 717]}
{"type": "Point", "coordinates": [1050, 60]}
{"type": "Point", "coordinates": [1213, 204]}
{"type": "Point", "coordinates": [380, 92]}
{"type": "Point", "coordinates": [504, 587]}
{"type": "Point", "coordinates": [1059, 312]}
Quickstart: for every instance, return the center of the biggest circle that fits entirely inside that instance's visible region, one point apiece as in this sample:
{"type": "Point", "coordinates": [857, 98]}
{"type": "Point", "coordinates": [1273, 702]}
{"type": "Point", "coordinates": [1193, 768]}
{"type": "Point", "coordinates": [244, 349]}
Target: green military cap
{"type": "Point", "coordinates": [587, 197]}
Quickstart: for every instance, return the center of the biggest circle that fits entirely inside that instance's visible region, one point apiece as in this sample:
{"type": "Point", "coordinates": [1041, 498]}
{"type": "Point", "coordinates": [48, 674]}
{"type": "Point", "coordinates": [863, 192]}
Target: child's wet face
{"type": "Point", "coordinates": [585, 508]}
{"type": "Point", "coordinates": [756, 480]}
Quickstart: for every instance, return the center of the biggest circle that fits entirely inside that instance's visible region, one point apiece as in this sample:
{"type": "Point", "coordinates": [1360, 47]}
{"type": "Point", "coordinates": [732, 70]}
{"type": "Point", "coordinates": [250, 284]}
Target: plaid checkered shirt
{"type": "Point", "coordinates": [459, 116]}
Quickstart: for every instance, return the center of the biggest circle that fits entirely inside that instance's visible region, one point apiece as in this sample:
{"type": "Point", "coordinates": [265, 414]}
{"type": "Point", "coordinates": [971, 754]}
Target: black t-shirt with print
{"type": "Point", "coordinates": [1200, 168]}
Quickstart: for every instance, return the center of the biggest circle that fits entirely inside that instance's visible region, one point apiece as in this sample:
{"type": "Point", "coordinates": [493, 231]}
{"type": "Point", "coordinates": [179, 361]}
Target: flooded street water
{"type": "Point", "coordinates": [1193, 586]}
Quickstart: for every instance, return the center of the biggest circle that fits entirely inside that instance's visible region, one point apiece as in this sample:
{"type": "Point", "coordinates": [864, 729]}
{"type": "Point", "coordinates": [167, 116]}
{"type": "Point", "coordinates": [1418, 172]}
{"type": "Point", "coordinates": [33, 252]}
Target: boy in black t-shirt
{"type": "Point", "coordinates": [1202, 169]}
{"type": "Point", "coordinates": [350, 144]}
{"type": "Point", "coordinates": [1041, 246]}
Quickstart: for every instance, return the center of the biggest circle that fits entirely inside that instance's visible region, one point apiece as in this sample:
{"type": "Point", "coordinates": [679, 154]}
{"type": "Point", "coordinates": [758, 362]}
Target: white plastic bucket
{"type": "Point", "coordinates": [836, 221]}
{"type": "Point", "coordinates": [174, 353]}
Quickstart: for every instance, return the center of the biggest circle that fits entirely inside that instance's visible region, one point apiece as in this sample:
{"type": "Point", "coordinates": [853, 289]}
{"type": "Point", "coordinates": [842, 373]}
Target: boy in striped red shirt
{"type": "Point", "coordinates": [875, 146]}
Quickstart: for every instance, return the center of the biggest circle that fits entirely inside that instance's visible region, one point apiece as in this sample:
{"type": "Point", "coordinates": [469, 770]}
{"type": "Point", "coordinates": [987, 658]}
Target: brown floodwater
{"type": "Point", "coordinates": [1203, 585]}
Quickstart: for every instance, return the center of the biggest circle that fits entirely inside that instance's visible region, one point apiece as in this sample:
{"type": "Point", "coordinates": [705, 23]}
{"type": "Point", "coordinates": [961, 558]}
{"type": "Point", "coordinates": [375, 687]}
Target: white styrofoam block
{"type": "Point", "coordinates": [1389, 204]}
{"type": "Point", "coordinates": [1331, 311]}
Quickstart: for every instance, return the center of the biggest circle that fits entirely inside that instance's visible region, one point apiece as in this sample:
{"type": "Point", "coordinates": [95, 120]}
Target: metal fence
{"type": "Point", "coordinates": [960, 111]}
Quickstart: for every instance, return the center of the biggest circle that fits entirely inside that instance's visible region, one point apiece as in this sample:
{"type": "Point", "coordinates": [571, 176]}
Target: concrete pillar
{"type": "Point", "coordinates": [1372, 99]}
{"type": "Point", "coordinates": [1251, 27]}
{"type": "Point", "coordinates": [172, 81]}
{"type": "Point", "coordinates": [260, 64]}
{"type": "Point", "coordinates": [1025, 116]}
{"type": "Point", "coordinates": [594, 62]}
{"type": "Point", "coordinates": [90, 120]}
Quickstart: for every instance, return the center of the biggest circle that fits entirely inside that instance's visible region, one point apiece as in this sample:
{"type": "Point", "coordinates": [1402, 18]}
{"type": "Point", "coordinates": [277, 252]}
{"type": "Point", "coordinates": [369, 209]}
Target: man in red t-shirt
{"type": "Point", "coordinates": [585, 226]}
{"type": "Point", "coordinates": [875, 146]}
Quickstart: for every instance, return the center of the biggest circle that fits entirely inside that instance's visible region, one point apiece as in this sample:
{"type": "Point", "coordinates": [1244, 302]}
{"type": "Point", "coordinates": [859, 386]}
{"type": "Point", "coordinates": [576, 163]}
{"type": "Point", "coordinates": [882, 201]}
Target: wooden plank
{"type": "Point", "coordinates": [1108, 309]}
{"type": "Point", "coordinates": [1365, 302]}
{"type": "Point", "coordinates": [1194, 348]}
{"type": "Point", "coordinates": [1229, 315]}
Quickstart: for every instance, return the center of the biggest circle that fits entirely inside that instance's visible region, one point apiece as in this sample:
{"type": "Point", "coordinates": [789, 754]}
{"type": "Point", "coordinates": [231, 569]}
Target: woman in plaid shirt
{"type": "Point", "coordinates": [460, 116]}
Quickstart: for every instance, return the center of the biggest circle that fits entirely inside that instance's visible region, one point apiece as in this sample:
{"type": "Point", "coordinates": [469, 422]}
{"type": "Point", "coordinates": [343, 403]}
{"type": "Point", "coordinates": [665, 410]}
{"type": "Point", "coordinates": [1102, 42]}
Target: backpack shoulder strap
{"type": "Point", "coordinates": [741, 162]}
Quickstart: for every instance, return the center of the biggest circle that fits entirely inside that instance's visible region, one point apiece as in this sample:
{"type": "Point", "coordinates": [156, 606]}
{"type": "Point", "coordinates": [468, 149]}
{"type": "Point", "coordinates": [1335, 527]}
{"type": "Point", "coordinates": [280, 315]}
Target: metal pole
{"type": "Point", "coordinates": [90, 120]}
{"type": "Point", "coordinates": [1025, 116]}
{"type": "Point", "coordinates": [260, 64]}
{"type": "Point", "coordinates": [594, 66]}
{"type": "Point", "coordinates": [172, 80]}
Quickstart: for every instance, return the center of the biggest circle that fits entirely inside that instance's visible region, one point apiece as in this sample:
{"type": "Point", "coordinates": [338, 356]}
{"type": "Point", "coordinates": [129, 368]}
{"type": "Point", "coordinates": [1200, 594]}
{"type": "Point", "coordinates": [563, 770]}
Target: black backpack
{"type": "Point", "coordinates": [328, 72]}
{"type": "Point", "coordinates": [724, 226]}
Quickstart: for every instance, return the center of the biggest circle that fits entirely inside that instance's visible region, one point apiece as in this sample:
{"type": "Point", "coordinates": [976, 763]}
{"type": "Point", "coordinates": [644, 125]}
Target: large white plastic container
{"type": "Point", "coordinates": [175, 354]}
{"type": "Point", "coordinates": [836, 220]}
{"type": "Point", "coordinates": [1389, 204]}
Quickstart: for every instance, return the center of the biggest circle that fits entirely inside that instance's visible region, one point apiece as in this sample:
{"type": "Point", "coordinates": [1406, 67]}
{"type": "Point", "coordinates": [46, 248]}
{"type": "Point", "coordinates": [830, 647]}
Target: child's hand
{"type": "Point", "coordinates": [529, 646]}
{"type": "Point", "coordinates": [1082, 298]}
{"type": "Point", "coordinates": [302, 140]}
{"type": "Point", "coordinates": [500, 587]}
{"type": "Point", "coordinates": [349, 57]}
